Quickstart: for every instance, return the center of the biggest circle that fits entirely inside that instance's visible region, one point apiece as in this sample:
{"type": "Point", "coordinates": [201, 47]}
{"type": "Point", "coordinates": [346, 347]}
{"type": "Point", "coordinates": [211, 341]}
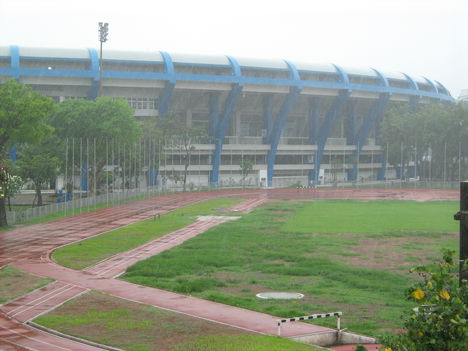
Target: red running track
{"type": "Point", "coordinates": [29, 249]}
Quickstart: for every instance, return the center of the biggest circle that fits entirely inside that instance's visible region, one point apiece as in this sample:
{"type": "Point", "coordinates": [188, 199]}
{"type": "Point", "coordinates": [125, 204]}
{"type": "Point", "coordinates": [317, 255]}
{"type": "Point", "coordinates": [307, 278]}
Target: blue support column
{"type": "Point", "coordinates": [414, 99]}
{"type": "Point", "coordinates": [326, 128]}
{"type": "Point", "coordinates": [314, 120]}
{"type": "Point", "coordinates": [267, 116]}
{"type": "Point", "coordinates": [434, 87]}
{"type": "Point", "coordinates": [351, 123]}
{"type": "Point", "coordinates": [214, 113]}
{"type": "Point", "coordinates": [223, 121]}
{"type": "Point", "coordinates": [314, 125]}
{"type": "Point", "coordinates": [12, 154]}
{"type": "Point", "coordinates": [94, 67]}
{"type": "Point", "coordinates": [15, 61]}
{"type": "Point", "coordinates": [382, 173]}
{"type": "Point", "coordinates": [153, 176]}
{"type": "Point", "coordinates": [83, 177]}
{"type": "Point", "coordinates": [374, 116]}
{"type": "Point", "coordinates": [413, 105]}
{"type": "Point", "coordinates": [166, 94]}
{"type": "Point", "coordinates": [280, 121]}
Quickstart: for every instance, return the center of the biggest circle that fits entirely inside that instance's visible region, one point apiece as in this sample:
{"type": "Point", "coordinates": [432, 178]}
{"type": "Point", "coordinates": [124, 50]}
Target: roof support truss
{"type": "Point", "coordinates": [275, 134]}
{"type": "Point", "coordinates": [223, 121]}
{"type": "Point", "coordinates": [166, 93]}
{"type": "Point", "coordinates": [94, 89]}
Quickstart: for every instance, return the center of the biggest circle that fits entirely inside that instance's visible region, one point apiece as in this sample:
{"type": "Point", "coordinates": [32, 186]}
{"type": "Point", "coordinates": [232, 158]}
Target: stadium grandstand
{"type": "Point", "coordinates": [294, 121]}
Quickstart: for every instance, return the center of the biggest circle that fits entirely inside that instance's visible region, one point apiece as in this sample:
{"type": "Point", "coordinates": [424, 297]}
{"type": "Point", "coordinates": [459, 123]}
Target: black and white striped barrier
{"type": "Point", "coordinates": [313, 316]}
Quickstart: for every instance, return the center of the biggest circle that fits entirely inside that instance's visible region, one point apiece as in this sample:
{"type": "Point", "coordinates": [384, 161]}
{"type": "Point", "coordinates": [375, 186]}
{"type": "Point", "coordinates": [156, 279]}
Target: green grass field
{"type": "Point", "coordinates": [93, 250]}
{"type": "Point", "coordinates": [351, 256]}
{"type": "Point", "coordinates": [138, 327]}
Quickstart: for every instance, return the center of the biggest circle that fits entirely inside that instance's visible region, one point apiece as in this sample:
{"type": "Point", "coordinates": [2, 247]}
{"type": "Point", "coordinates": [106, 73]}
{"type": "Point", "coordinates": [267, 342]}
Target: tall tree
{"type": "Point", "coordinates": [40, 164]}
{"type": "Point", "coordinates": [183, 137]}
{"type": "Point", "coordinates": [23, 114]}
{"type": "Point", "coordinates": [246, 167]}
{"type": "Point", "coordinates": [434, 137]}
{"type": "Point", "coordinates": [100, 122]}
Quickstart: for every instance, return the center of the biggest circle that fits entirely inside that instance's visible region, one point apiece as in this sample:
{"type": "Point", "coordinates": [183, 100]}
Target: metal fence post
{"type": "Point", "coordinates": [462, 216]}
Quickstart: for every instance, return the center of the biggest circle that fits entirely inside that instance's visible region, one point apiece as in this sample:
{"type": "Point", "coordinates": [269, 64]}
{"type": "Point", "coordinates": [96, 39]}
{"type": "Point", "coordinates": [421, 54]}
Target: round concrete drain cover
{"type": "Point", "coordinates": [280, 295]}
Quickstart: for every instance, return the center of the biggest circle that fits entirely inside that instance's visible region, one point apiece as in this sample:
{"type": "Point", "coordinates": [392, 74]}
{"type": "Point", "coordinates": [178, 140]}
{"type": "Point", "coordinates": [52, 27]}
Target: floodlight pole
{"type": "Point", "coordinates": [462, 216]}
{"type": "Point", "coordinates": [103, 32]}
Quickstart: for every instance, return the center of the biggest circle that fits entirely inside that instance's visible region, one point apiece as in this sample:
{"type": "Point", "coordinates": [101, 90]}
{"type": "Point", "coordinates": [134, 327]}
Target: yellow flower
{"type": "Point", "coordinates": [418, 294]}
{"type": "Point", "coordinates": [388, 349]}
{"type": "Point", "coordinates": [444, 294]}
{"type": "Point", "coordinates": [429, 284]}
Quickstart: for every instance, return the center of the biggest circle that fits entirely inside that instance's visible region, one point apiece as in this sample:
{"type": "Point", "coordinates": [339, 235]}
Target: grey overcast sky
{"type": "Point", "coordinates": [419, 37]}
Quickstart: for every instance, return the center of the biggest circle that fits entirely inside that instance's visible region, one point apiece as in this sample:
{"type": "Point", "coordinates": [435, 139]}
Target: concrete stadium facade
{"type": "Point", "coordinates": [293, 120]}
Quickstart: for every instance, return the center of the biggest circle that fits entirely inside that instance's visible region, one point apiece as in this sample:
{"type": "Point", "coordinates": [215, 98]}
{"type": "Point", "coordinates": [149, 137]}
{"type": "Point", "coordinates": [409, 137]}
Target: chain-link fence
{"type": "Point", "coordinates": [100, 173]}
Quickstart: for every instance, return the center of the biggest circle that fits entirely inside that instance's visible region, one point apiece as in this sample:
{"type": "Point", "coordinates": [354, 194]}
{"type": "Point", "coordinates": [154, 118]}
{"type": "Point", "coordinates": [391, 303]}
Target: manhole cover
{"type": "Point", "coordinates": [280, 295]}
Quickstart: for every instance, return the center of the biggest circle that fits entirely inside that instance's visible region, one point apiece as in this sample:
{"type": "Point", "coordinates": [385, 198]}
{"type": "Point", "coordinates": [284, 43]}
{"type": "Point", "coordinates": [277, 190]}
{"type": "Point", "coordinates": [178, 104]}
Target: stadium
{"type": "Point", "coordinates": [294, 121]}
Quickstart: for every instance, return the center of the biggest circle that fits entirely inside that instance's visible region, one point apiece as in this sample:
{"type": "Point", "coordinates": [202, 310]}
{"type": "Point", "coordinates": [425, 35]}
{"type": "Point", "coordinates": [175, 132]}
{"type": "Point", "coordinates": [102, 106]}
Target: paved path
{"type": "Point", "coordinates": [29, 249]}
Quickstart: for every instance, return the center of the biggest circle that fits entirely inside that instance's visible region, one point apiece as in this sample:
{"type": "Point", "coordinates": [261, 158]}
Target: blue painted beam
{"type": "Point", "coordinates": [325, 131]}
{"type": "Point", "coordinates": [267, 116]}
{"type": "Point", "coordinates": [414, 99]}
{"type": "Point", "coordinates": [434, 87]}
{"type": "Point", "coordinates": [12, 154]}
{"type": "Point", "coordinates": [382, 172]}
{"type": "Point", "coordinates": [214, 113]}
{"type": "Point", "coordinates": [84, 176]}
{"type": "Point", "coordinates": [224, 79]}
{"type": "Point", "coordinates": [314, 120]}
{"type": "Point", "coordinates": [314, 125]}
{"type": "Point", "coordinates": [280, 121]}
{"type": "Point", "coordinates": [351, 123]}
{"type": "Point", "coordinates": [15, 61]}
{"type": "Point", "coordinates": [373, 118]}
{"type": "Point", "coordinates": [166, 94]}
{"type": "Point", "coordinates": [326, 128]}
{"type": "Point", "coordinates": [94, 67]}
{"type": "Point", "coordinates": [223, 121]}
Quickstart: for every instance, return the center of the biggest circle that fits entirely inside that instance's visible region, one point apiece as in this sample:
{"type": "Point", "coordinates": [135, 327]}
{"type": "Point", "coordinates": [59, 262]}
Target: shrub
{"type": "Point", "coordinates": [439, 323]}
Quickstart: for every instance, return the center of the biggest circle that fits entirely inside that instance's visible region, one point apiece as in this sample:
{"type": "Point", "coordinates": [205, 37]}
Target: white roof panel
{"type": "Point", "coordinates": [421, 80]}
{"type": "Point", "coordinates": [4, 51]}
{"type": "Point", "coordinates": [394, 75]}
{"type": "Point", "coordinates": [325, 67]}
{"type": "Point", "coordinates": [54, 53]}
{"type": "Point", "coordinates": [132, 55]}
{"type": "Point", "coordinates": [262, 63]}
{"type": "Point", "coordinates": [360, 71]}
{"type": "Point", "coordinates": [200, 59]}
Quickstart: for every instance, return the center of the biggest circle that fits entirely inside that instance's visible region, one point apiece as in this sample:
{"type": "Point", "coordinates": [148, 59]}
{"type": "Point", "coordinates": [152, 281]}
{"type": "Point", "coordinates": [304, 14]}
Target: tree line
{"type": "Point", "coordinates": [430, 142]}
{"type": "Point", "coordinates": [42, 132]}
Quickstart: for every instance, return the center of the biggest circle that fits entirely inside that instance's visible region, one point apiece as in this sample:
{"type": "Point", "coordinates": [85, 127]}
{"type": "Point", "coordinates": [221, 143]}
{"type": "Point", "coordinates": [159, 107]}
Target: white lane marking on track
{"type": "Point", "coordinates": [16, 344]}
{"type": "Point", "coordinates": [137, 251]}
{"type": "Point", "coordinates": [34, 339]}
{"type": "Point", "coordinates": [38, 304]}
{"type": "Point", "coordinates": [41, 297]}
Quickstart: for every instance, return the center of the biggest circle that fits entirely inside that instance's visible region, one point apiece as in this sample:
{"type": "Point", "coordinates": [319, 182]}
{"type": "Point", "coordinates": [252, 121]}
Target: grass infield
{"type": "Point", "coordinates": [93, 250]}
{"type": "Point", "coordinates": [138, 327]}
{"type": "Point", "coordinates": [345, 255]}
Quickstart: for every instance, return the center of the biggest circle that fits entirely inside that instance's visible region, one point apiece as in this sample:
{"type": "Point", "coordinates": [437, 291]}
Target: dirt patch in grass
{"type": "Point", "coordinates": [128, 325]}
{"type": "Point", "coordinates": [15, 283]}
{"type": "Point", "coordinates": [390, 254]}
